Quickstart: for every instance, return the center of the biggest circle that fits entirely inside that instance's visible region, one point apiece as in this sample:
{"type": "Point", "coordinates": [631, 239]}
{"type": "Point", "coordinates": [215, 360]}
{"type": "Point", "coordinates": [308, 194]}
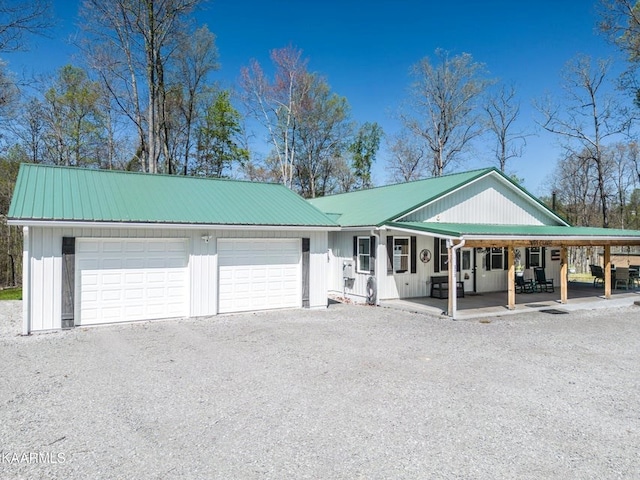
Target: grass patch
{"type": "Point", "coordinates": [11, 294]}
{"type": "Point", "coordinates": [581, 277]}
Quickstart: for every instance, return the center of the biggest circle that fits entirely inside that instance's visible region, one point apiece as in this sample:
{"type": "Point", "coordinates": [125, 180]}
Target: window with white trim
{"type": "Point", "coordinates": [364, 254]}
{"type": "Point", "coordinates": [497, 255]}
{"type": "Point", "coordinates": [400, 254]}
{"type": "Point", "coordinates": [535, 257]}
{"type": "Point", "coordinates": [444, 255]}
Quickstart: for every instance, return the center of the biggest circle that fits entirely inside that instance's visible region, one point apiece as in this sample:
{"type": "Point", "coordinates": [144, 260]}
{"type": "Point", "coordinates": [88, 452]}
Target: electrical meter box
{"type": "Point", "coordinates": [347, 269]}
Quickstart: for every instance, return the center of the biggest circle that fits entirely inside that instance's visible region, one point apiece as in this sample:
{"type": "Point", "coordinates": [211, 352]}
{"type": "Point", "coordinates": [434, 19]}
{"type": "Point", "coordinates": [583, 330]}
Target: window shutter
{"type": "Point", "coordinates": [436, 254]}
{"type": "Point", "coordinates": [505, 260]}
{"type": "Point", "coordinates": [414, 255]}
{"type": "Point", "coordinates": [487, 260]}
{"type": "Point", "coordinates": [355, 247]}
{"type": "Point", "coordinates": [526, 257]}
{"type": "Point", "coordinates": [543, 254]}
{"type": "Point", "coordinates": [389, 254]}
{"type": "Point", "coordinates": [372, 255]}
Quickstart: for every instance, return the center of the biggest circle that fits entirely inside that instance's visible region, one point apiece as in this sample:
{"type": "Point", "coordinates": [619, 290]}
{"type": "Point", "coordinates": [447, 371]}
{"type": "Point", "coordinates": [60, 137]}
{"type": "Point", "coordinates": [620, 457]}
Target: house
{"type": "Point", "coordinates": [110, 246]}
{"type": "Point", "coordinates": [474, 227]}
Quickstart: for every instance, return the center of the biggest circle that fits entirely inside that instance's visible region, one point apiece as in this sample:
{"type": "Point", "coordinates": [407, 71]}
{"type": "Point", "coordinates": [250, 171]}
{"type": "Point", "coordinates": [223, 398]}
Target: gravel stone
{"type": "Point", "coordinates": [344, 393]}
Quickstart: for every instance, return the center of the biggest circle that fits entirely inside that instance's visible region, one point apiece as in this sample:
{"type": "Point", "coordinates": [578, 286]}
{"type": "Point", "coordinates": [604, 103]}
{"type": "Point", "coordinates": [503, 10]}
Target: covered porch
{"type": "Point", "coordinates": [510, 237]}
{"type": "Point", "coordinates": [581, 295]}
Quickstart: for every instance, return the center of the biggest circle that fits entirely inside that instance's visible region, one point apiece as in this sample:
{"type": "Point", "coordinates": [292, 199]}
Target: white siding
{"type": "Point", "coordinates": [406, 285]}
{"type": "Point", "coordinates": [487, 201]}
{"type": "Point", "coordinates": [45, 279]}
{"type": "Point", "coordinates": [402, 285]}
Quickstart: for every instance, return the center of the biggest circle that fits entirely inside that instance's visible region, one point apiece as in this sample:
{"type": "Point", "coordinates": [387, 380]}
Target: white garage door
{"type": "Point", "coordinates": [258, 274]}
{"type": "Point", "coordinates": [123, 279]}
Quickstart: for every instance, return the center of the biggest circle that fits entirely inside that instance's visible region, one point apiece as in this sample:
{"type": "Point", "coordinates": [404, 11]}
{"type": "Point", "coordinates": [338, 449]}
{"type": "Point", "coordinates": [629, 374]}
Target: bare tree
{"type": "Point", "coordinates": [21, 18]}
{"type": "Point", "coordinates": [408, 158]}
{"type": "Point", "coordinates": [273, 103]}
{"type": "Point", "coordinates": [444, 108]}
{"type": "Point", "coordinates": [131, 42]}
{"type": "Point", "coordinates": [588, 119]}
{"type": "Point", "coordinates": [502, 111]}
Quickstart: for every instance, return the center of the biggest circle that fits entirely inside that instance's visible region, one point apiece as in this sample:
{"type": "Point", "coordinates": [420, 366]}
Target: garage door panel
{"type": "Point", "coordinates": [131, 279]}
{"type": "Point", "coordinates": [257, 274]}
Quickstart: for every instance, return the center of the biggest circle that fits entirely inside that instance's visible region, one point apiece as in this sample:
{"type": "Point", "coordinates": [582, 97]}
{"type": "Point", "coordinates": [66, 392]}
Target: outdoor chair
{"type": "Point", "coordinates": [598, 274]}
{"type": "Point", "coordinates": [622, 277]}
{"type": "Point", "coordinates": [634, 275]}
{"type": "Point", "coordinates": [523, 286]}
{"type": "Point", "coordinates": [541, 281]}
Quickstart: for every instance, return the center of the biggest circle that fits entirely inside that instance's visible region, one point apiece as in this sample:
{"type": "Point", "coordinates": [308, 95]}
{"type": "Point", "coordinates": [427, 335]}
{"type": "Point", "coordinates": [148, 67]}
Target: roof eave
{"type": "Point", "coordinates": [184, 226]}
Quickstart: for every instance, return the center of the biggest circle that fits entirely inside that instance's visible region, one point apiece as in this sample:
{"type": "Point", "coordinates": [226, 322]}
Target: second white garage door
{"type": "Point", "coordinates": [258, 274]}
{"type": "Point", "coordinates": [125, 279]}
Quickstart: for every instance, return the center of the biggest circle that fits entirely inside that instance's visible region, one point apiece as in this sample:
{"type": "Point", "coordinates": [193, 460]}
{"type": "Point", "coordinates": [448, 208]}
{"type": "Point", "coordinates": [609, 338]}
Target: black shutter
{"type": "Point", "coordinates": [527, 251]}
{"type": "Point", "coordinates": [389, 254]}
{"type": "Point", "coordinates": [372, 255]}
{"type": "Point", "coordinates": [505, 252]}
{"type": "Point", "coordinates": [487, 259]}
{"type": "Point", "coordinates": [543, 254]}
{"type": "Point", "coordinates": [436, 254]}
{"type": "Point", "coordinates": [414, 255]}
{"type": "Point", "coordinates": [355, 247]}
{"type": "Point", "coordinates": [306, 248]}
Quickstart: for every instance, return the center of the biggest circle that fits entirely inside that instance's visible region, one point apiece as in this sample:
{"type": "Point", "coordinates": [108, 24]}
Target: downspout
{"type": "Point", "coordinates": [453, 288]}
{"type": "Point", "coordinates": [376, 274]}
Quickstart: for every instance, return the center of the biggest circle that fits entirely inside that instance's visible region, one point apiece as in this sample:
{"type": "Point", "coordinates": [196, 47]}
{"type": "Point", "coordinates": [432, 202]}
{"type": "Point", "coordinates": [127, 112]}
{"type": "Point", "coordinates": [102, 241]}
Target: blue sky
{"type": "Point", "coordinates": [365, 50]}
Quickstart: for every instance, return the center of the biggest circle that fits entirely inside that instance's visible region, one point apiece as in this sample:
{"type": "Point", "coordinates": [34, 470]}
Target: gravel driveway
{"type": "Point", "coordinates": [350, 392]}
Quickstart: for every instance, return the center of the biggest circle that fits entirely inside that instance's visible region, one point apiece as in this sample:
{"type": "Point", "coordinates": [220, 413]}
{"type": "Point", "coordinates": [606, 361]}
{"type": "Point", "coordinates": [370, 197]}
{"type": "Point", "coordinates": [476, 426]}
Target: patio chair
{"type": "Point", "coordinates": [634, 275]}
{"type": "Point", "coordinates": [523, 286]}
{"type": "Point", "coordinates": [622, 277]}
{"type": "Point", "coordinates": [541, 280]}
{"type": "Point", "coordinates": [598, 274]}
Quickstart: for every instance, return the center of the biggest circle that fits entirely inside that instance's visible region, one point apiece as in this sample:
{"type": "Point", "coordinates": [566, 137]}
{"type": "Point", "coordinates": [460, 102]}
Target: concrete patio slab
{"type": "Point", "coordinates": [581, 296]}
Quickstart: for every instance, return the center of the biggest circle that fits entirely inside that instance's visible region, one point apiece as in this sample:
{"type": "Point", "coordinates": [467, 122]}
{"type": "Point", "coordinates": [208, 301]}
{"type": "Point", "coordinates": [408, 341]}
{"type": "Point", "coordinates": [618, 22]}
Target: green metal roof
{"type": "Point", "coordinates": [48, 193]}
{"type": "Point", "coordinates": [459, 230]}
{"type": "Point", "coordinates": [375, 206]}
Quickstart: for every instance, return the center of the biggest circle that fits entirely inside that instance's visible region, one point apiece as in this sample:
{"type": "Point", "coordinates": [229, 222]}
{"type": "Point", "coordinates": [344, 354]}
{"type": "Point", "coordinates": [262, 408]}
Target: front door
{"type": "Point", "coordinates": [467, 269]}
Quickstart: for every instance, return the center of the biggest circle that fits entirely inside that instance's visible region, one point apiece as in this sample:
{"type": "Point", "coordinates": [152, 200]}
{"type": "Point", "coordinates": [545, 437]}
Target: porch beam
{"type": "Point", "coordinates": [607, 272]}
{"type": "Point", "coordinates": [511, 278]}
{"type": "Point", "coordinates": [549, 243]}
{"type": "Point", "coordinates": [564, 288]}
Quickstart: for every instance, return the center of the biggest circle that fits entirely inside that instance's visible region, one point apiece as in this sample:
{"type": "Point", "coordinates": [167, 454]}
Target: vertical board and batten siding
{"type": "Point", "coordinates": [45, 274]}
{"type": "Point", "coordinates": [398, 285]}
{"type": "Point", "coordinates": [486, 201]}
{"type": "Point", "coordinates": [407, 285]}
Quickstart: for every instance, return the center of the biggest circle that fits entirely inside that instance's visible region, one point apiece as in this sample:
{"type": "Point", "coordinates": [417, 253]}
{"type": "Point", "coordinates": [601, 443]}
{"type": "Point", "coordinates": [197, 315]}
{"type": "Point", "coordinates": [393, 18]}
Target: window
{"type": "Point", "coordinates": [400, 254]}
{"type": "Point", "coordinates": [466, 260]}
{"type": "Point", "coordinates": [535, 257]}
{"type": "Point", "coordinates": [444, 255]}
{"type": "Point", "coordinates": [364, 254]}
{"type": "Point", "coordinates": [496, 258]}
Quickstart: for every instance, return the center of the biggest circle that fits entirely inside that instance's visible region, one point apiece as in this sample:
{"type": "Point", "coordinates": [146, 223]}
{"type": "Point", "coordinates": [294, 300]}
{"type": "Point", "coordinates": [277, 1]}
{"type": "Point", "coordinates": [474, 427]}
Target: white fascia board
{"type": "Point", "coordinates": [182, 226]}
{"type": "Point", "coordinates": [547, 238]}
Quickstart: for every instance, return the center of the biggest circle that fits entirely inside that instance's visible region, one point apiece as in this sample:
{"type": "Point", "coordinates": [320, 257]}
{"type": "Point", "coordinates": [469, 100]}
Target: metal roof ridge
{"type": "Point", "coordinates": [150, 175]}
